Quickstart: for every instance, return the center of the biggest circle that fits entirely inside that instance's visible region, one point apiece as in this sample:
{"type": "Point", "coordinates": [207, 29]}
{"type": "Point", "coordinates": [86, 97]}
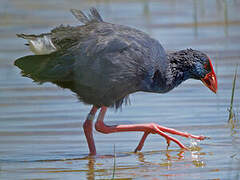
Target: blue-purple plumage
{"type": "Point", "coordinates": [103, 63]}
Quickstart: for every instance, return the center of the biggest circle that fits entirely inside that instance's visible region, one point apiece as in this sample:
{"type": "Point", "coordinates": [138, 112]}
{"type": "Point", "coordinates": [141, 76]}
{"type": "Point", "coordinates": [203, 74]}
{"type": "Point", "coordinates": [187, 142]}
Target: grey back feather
{"type": "Point", "coordinates": [94, 16]}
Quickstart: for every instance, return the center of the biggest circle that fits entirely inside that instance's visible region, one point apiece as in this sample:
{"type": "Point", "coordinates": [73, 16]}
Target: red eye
{"type": "Point", "coordinates": [205, 66]}
{"type": "Point", "coordinates": [208, 66]}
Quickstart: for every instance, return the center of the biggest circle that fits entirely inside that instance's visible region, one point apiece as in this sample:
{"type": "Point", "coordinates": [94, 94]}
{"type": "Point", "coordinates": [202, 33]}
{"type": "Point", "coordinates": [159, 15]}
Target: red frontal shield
{"type": "Point", "coordinates": [210, 80]}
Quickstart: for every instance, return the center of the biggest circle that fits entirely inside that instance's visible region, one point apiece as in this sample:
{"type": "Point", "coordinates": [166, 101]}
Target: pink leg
{"type": "Point", "coordinates": [141, 143]}
{"type": "Point", "coordinates": [87, 126]}
{"type": "Point", "coordinates": [146, 128]}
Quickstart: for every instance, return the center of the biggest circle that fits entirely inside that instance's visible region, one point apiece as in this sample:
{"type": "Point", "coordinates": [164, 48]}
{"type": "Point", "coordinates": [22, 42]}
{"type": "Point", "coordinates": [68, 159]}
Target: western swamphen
{"type": "Point", "coordinates": [103, 63]}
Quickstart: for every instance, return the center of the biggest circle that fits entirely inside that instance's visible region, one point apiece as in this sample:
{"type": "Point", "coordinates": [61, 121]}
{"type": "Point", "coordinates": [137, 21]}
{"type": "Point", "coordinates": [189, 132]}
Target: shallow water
{"type": "Point", "coordinates": [41, 134]}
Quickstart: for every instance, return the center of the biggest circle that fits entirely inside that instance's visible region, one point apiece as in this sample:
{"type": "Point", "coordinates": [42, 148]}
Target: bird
{"type": "Point", "coordinates": [103, 63]}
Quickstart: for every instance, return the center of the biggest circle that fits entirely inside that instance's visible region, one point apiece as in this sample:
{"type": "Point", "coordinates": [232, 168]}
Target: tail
{"type": "Point", "coordinates": [39, 44]}
{"type": "Point", "coordinates": [28, 37]}
{"type": "Point", "coordinates": [94, 16]}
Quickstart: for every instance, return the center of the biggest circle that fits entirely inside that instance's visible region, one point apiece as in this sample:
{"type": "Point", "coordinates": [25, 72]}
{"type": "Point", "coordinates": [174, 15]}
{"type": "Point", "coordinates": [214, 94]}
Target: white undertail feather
{"type": "Point", "coordinates": [42, 45]}
{"type": "Point", "coordinates": [39, 45]}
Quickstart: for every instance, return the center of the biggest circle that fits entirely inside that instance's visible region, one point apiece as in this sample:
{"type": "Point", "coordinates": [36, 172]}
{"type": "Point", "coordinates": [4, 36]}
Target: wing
{"type": "Point", "coordinates": [54, 67]}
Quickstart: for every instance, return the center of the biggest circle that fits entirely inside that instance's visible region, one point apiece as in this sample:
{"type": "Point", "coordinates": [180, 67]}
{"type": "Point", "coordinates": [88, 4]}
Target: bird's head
{"type": "Point", "coordinates": [202, 69]}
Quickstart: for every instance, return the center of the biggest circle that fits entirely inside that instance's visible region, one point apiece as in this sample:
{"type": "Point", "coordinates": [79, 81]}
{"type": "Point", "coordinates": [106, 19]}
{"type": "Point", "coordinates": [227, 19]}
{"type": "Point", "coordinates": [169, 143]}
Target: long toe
{"type": "Point", "coordinates": [156, 130]}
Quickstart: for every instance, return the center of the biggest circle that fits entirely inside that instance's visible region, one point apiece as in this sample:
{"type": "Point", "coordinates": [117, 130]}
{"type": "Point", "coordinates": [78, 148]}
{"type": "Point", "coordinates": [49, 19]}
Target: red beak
{"type": "Point", "coordinates": [210, 80]}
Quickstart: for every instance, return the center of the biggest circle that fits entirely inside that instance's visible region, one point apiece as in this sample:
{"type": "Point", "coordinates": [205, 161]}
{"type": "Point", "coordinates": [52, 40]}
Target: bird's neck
{"type": "Point", "coordinates": [178, 69]}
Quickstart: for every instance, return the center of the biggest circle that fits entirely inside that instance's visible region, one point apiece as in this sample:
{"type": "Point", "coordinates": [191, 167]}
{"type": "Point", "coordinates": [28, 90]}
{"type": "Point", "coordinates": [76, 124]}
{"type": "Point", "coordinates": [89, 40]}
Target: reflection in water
{"type": "Point", "coordinates": [147, 16]}
{"type": "Point", "coordinates": [196, 159]}
{"type": "Point", "coordinates": [195, 153]}
{"type": "Point", "coordinates": [91, 169]}
{"type": "Point", "coordinates": [195, 17]}
{"type": "Point", "coordinates": [170, 157]}
{"type": "Point", "coordinates": [226, 17]}
{"type": "Point", "coordinates": [221, 8]}
{"type": "Point", "coordinates": [180, 155]}
{"type": "Point", "coordinates": [99, 165]}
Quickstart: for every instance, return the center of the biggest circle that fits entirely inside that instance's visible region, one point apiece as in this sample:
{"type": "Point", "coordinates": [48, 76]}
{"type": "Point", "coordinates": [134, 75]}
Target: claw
{"type": "Point", "coordinates": [203, 137]}
{"type": "Point", "coordinates": [207, 137]}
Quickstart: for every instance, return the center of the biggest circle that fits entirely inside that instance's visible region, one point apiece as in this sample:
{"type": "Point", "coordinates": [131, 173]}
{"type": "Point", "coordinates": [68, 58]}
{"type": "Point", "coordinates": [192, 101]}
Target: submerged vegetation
{"type": "Point", "coordinates": [233, 119]}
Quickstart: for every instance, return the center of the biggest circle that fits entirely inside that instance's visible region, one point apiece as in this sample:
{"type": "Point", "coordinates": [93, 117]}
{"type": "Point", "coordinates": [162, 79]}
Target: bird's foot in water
{"type": "Point", "coordinates": [153, 128]}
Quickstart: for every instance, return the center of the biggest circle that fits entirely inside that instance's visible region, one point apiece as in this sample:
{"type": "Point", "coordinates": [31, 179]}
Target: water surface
{"type": "Point", "coordinates": [41, 134]}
